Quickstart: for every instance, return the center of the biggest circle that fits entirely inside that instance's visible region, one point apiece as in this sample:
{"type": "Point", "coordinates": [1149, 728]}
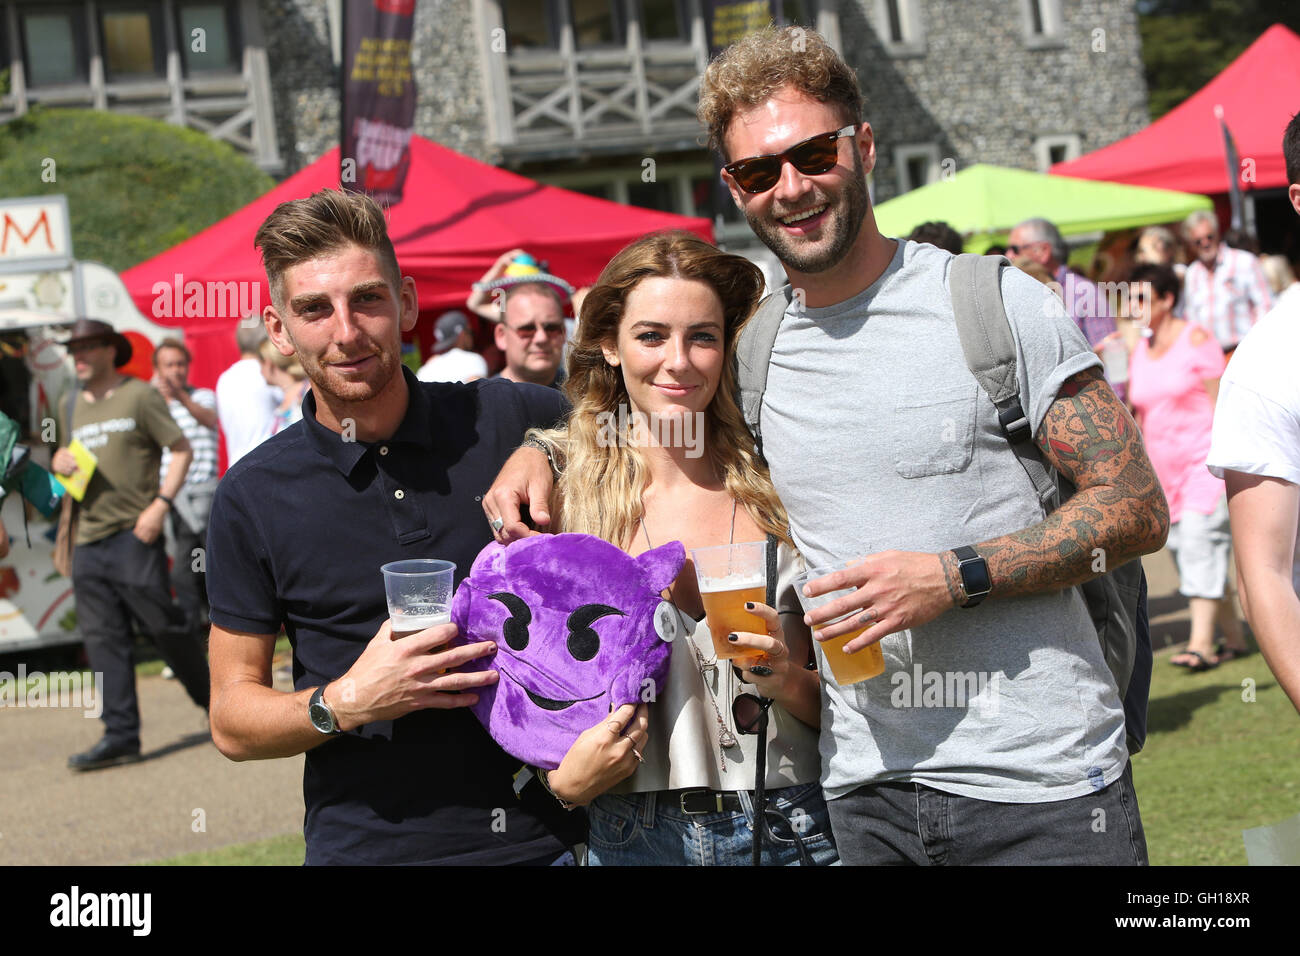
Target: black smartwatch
{"type": "Point", "coordinates": [322, 717]}
{"type": "Point", "coordinates": [975, 580]}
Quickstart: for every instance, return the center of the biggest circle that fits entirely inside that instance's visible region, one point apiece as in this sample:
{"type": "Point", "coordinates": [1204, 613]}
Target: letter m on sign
{"type": "Point", "coordinates": [26, 237]}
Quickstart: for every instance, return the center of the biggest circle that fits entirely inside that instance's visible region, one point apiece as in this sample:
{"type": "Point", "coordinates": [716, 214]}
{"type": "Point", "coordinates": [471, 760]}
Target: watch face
{"type": "Point", "coordinates": [975, 577]}
{"type": "Point", "coordinates": [321, 718]}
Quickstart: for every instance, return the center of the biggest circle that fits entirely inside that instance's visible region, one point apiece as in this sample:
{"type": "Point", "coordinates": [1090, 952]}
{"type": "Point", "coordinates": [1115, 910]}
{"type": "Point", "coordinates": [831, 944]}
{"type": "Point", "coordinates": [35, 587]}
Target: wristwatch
{"type": "Point", "coordinates": [322, 716]}
{"type": "Point", "coordinates": [975, 580]}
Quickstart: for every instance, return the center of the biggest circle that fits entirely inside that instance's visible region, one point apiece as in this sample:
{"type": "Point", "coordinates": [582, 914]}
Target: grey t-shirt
{"type": "Point", "coordinates": [880, 438]}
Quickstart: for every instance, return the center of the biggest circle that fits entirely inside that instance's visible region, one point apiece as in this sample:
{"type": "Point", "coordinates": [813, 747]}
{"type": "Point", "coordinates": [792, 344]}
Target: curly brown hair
{"type": "Point", "coordinates": [754, 67]}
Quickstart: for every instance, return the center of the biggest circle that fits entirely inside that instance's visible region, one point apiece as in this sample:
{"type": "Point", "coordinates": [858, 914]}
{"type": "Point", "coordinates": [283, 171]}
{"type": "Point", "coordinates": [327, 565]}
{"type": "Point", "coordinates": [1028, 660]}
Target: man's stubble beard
{"type": "Point", "coordinates": [328, 382]}
{"type": "Point", "coordinates": [845, 223]}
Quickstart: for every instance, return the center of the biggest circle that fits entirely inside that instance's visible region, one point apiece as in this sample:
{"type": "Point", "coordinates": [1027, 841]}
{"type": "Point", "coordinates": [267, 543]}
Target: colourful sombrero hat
{"type": "Point", "coordinates": [522, 270]}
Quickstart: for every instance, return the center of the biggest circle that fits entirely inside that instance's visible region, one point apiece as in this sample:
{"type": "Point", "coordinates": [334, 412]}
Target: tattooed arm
{"type": "Point", "coordinates": [1117, 512]}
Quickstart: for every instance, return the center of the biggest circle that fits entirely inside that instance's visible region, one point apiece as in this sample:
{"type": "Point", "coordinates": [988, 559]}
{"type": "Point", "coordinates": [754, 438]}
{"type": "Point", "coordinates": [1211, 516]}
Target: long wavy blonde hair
{"type": "Point", "coordinates": [600, 485]}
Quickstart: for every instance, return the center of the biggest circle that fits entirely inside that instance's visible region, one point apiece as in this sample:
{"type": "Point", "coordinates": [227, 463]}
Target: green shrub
{"type": "Point", "coordinates": [135, 187]}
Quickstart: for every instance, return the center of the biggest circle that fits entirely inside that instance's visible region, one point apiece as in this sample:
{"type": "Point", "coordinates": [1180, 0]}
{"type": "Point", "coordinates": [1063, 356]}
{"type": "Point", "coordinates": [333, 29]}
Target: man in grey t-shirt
{"type": "Point", "coordinates": [996, 734]}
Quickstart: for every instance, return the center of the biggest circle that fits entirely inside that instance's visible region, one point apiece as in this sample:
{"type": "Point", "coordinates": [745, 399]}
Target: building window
{"type": "Point", "coordinates": [208, 42]}
{"type": "Point", "coordinates": [1044, 23]}
{"type": "Point", "coordinates": [664, 20]}
{"type": "Point", "coordinates": [656, 195]}
{"type": "Point", "coordinates": [1049, 150]}
{"type": "Point", "coordinates": [918, 165]}
{"type": "Point", "coordinates": [54, 45]}
{"type": "Point", "coordinates": [900, 27]}
{"type": "Point", "coordinates": [531, 25]}
{"type": "Point", "coordinates": [597, 23]}
{"type": "Point", "coordinates": [130, 40]}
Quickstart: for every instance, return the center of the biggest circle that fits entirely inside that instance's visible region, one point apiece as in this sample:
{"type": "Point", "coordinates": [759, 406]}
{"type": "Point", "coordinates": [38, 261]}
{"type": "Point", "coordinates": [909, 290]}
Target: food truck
{"type": "Point", "coordinates": [43, 290]}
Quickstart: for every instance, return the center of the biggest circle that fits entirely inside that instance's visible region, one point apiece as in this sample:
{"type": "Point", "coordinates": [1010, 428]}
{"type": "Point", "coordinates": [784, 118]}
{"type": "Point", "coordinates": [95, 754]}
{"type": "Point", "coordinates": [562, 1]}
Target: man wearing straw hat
{"type": "Point", "coordinates": [119, 569]}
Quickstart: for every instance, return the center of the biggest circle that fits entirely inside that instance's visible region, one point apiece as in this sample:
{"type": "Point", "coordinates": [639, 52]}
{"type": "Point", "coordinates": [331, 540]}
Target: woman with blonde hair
{"type": "Point", "coordinates": [656, 450]}
{"type": "Point", "coordinates": [285, 373]}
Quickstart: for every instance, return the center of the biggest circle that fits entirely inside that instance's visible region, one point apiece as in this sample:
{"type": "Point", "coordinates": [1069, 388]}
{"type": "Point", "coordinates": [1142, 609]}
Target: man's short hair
{"type": "Point", "coordinates": [1043, 230]}
{"type": "Point", "coordinates": [1198, 217]}
{"type": "Point", "coordinates": [302, 229]}
{"type": "Point", "coordinates": [754, 67]}
{"type": "Point", "coordinates": [938, 234]}
{"type": "Point", "coordinates": [170, 343]}
{"type": "Point", "coordinates": [534, 288]}
{"type": "Point", "coordinates": [1291, 149]}
{"type": "Point", "coordinates": [1158, 236]}
{"type": "Point", "coordinates": [250, 334]}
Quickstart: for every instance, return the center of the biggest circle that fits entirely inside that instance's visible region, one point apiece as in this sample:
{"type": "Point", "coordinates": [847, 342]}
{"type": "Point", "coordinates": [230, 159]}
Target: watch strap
{"type": "Point", "coordinates": [316, 702]}
{"type": "Point", "coordinates": [967, 555]}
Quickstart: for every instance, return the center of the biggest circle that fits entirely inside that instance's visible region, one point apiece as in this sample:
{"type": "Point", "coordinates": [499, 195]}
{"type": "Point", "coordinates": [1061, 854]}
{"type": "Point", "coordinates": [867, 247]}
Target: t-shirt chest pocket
{"type": "Point", "coordinates": [934, 431]}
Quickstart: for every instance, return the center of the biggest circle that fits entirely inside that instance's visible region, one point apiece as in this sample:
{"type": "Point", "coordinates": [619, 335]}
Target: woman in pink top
{"type": "Point", "coordinates": [1173, 384]}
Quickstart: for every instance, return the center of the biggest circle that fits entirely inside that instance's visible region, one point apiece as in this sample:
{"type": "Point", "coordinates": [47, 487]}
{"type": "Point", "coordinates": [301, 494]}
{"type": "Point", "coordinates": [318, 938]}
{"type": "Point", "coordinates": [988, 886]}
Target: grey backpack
{"type": "Point", "coordinates": [1116, 600]}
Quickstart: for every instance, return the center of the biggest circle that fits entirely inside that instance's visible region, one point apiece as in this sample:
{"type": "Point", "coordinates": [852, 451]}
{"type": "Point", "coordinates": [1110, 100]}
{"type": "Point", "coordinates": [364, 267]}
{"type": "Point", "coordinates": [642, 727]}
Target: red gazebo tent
{"type": "Point", "coordinates": [1184, 149]}
{"type": "Point", "coordinates": [457, 216]}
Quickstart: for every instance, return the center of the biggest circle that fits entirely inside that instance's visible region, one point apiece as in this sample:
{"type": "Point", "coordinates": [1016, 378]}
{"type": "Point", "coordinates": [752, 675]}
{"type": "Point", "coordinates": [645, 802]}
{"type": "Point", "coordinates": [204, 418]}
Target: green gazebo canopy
{"type": "Point", "coordinates": [984, 203]}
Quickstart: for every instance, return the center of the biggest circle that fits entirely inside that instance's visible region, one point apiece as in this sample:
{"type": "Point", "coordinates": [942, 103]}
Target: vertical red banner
{"type": "Point", "coordinates": [378, 97]}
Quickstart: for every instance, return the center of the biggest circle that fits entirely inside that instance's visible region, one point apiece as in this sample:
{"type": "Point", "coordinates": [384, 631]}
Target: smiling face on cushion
{"type": "Point", "coordinates": [574, 620]}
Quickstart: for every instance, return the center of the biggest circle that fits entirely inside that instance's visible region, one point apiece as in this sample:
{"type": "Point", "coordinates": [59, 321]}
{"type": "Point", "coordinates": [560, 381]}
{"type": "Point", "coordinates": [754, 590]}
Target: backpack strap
{"type": "Point", "coordinates": [754, 354]}
{"type": "Point", "coordinates": [975, 285]}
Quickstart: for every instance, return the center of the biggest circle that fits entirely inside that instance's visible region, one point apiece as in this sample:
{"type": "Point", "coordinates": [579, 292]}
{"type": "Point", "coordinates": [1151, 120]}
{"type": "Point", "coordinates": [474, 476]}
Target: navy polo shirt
{"type": "Point", "coordinates": [299, 529]}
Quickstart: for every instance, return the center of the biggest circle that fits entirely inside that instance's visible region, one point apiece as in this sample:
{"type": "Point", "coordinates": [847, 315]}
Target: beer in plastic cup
{"type": "Point", "coordinates": [419, 594]}
{"type": "Point", "coordinates": [730, 575]}
{"type": "Point", "coordinates": [845, 668]}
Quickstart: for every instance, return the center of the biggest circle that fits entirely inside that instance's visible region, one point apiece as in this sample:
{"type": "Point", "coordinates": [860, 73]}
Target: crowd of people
{"type": "Point", "coordinates": [342, 460]}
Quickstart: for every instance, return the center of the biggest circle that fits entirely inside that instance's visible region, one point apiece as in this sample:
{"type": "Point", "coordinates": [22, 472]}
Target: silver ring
{"type": "Point", "coordinates": [636, 753]}
{"type": "Point", "coordinates": [497, 524]}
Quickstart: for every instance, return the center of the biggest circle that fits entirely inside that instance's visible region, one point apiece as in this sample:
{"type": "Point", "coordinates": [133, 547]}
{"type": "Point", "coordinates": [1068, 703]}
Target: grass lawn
{"type": "Point", "coordinates": [1214, 763]}
{"type": "Point", "coordinates": [287, 850]}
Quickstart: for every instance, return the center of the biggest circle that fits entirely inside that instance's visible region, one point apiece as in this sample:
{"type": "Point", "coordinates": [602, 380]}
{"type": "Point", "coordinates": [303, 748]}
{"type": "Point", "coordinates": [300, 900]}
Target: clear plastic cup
{"type": "Point", "coordinates": [729, 575]}
{"type": "Point", "coordinates": [845, 668]}
{"type": "Point", "coordinates": [419, 594]}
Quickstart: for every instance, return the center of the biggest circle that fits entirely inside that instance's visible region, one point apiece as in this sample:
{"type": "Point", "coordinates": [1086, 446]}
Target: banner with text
{"type": "Point", "coordinates": [378, 97]}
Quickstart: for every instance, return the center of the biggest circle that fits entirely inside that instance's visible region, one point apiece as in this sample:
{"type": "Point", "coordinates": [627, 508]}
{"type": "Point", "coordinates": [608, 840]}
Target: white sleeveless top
{"type": "Point", "coordinates": [683, 749]}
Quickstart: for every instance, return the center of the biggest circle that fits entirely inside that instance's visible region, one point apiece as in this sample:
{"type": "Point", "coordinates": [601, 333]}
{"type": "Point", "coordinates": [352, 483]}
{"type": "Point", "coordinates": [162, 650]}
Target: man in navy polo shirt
{"type": "Point", "coordinates": [381, 468]}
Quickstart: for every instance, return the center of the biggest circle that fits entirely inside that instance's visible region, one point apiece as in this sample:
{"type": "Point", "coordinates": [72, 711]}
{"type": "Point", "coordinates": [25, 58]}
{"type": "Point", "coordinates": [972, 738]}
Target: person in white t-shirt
{"type": "Point", "coordinates": [1256, 450]}
{"type": "Point", "coordinates": [453, 359]}
{"type": "Point", "coordinates": [245, 403]}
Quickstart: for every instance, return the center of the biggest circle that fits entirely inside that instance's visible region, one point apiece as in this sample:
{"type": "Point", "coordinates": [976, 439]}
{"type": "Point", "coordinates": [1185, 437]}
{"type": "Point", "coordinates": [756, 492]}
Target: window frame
{"type": "Point", "coordinates": [906, 152]}
{"type": "Point", "coordinates": [157, 37]}
{"type": "Point", "coordinates": [911, 24]}
{"type": "Point", "coordinates": [234, 38]}
{"type": "Point", "coordinates": [76, 14]}
{"type": "Point", "coordinates": [1043, 145]}
{"type": "Point", "coordinates": [1053, 21]}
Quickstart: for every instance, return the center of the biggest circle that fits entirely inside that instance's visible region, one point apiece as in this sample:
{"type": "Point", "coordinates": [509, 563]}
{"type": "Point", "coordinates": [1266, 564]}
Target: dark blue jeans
{"type": "Point", "coordinates": [904, 823]}
{"type": "Point", "coordinates": [119, 581]}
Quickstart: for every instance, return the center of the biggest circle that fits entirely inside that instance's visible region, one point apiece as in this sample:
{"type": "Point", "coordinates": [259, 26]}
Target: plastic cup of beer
{"type": "Point", "coordinates": [729, 575]}
{"type": "Point", "coordinates": [419, 594]}
{"type": "Point", "coordinates": [845, 668]}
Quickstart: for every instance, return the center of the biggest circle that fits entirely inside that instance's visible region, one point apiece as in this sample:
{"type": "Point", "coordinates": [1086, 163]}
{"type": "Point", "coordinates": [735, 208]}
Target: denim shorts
{"type": "Point", "coordinates": [651, 829]}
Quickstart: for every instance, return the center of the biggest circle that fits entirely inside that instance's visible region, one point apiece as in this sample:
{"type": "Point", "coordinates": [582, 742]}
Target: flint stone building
{"type": "Point", "coordinates": [595, 95]}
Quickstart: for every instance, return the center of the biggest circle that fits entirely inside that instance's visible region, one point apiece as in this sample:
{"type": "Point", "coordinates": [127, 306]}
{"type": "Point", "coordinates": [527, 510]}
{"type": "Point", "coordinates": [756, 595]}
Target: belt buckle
{"type": "Point", "coordinates": [717, 798]}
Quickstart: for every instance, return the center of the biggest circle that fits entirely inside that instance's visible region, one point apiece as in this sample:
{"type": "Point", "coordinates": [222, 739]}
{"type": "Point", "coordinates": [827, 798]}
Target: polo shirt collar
{"type": "Point", "coordinates": [416, 428]}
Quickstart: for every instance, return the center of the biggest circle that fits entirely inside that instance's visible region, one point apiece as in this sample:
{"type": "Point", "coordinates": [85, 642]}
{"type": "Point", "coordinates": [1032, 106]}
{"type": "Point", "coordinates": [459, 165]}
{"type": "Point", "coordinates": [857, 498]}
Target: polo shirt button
{"type": "Point", "coordinates": [383, 449]}
{"type": "Point", "coordinates": [399, 494]}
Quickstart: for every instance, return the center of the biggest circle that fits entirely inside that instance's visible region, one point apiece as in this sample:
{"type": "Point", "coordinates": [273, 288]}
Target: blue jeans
{"type": "Point", "coordinates": [650, 829]}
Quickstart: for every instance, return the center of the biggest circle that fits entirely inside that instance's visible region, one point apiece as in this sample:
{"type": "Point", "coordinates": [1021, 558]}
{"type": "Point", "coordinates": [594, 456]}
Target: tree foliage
{"type": "Point", "coordinates": [1186, 43]}
{"type": "Point", "coordinates": [135, 187]}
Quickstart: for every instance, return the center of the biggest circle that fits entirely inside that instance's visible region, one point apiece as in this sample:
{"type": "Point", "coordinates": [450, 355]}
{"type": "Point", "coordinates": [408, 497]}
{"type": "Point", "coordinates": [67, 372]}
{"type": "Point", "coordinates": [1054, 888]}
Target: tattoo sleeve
{"type": "Point", "coordinates": [1118, 511]}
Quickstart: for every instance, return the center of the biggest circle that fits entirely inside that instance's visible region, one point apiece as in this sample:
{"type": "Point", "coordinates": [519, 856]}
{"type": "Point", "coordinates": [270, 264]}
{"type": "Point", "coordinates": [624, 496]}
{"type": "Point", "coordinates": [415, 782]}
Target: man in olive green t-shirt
{"type": "Point", "coordinates": [119, 568]}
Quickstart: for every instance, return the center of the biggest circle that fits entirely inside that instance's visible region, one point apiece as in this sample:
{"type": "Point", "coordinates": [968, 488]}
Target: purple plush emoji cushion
{"type": "Point", "coordinates": [573, 618]}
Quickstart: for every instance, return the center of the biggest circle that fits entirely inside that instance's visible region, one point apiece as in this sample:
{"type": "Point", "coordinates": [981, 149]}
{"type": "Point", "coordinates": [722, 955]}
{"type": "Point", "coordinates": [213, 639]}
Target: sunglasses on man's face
{"type": "Point", "coordinates": [530, 330]}
{"type": "Point", "coordinates": [1209, 240]}
{"type": "Point", "coordinates": [815, 155]}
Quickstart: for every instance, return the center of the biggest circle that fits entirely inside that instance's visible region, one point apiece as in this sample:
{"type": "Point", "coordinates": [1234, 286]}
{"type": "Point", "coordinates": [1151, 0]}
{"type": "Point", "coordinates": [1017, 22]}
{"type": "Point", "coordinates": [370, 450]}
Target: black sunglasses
{"type": "Point", "coordinates": [815, 155]}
